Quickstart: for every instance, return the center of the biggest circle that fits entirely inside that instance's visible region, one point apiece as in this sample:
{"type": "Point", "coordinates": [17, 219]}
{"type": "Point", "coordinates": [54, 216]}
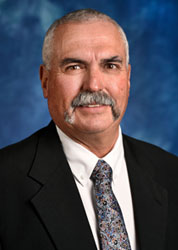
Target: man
{"type": "Point", "coordinates": [51, 194]}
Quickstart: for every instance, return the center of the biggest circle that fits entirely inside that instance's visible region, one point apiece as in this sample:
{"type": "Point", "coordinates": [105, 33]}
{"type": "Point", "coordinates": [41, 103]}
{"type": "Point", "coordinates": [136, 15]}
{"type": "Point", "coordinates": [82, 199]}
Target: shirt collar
{"type": "Point", "coordinates": [82, 161]}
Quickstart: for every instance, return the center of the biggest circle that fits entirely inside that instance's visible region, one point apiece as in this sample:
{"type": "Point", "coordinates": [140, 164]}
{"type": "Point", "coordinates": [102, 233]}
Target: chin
{"type": "Point", "coordinates": [93, 128]}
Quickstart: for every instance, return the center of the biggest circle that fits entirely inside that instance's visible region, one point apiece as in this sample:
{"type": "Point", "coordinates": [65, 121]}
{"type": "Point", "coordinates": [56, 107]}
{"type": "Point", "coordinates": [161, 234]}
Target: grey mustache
{"type": "Point", "coordinates": [88, 98]}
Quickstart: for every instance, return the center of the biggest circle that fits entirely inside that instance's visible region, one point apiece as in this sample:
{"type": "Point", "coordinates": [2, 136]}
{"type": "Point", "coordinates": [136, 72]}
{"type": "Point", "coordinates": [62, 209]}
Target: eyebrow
{"type": "Point", "coordinates": [112, 59]}
{"type": "Point", "coordinates": [68, 60]}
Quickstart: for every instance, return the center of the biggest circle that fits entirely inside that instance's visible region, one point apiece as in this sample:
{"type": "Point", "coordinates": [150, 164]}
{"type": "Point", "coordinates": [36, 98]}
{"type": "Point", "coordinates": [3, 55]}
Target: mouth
{"type": "Point", "coordinates": [92, 105]}
{"type": "Point", "coordinates": [92, 108]}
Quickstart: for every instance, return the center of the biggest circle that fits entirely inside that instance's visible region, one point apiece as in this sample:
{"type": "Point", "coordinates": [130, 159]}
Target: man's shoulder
{"type": "Point", "coordinates": [145, 148]}
{"type": "Point", "coordinates": [22, 145]}
{"type": "Point", "coordinates": [153, 160]}
{"type": "Point", "coordinates": [149, 151]}
{"type": "Point", "coordinates": [20, 153]}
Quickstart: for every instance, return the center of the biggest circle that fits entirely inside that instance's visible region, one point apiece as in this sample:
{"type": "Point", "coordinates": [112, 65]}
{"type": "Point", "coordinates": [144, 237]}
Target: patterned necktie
{"type": "Point", "coordinates": [113, 234]}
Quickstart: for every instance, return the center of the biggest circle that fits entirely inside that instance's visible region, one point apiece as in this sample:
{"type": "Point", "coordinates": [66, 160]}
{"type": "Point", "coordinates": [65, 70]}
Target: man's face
{"type": "Point", "coordinates": [87, 58]}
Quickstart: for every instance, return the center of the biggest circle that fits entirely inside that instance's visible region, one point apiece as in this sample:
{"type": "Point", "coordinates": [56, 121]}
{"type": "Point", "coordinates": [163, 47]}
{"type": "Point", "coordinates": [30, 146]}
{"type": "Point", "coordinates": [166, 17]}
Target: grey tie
{"type": "Point", "coordinates": [113, 233]}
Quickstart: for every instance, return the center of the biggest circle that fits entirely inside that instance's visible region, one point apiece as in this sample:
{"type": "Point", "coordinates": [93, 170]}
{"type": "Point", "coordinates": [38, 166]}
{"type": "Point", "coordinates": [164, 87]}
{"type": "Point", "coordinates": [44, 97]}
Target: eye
{"type": "Point", "coordinates": [73, 67]}
{"type": "Point", "coordinates": [111, 66]}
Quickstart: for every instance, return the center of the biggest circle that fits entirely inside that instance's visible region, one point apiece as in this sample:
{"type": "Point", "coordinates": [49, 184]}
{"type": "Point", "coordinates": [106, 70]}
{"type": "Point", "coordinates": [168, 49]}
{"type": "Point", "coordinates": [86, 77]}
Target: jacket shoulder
{"type": "Point", "coordinates": [162, 165]}
{"type": "Point", "coordinates": [152, 151]}
{"type": "Point", "coordinates": [19, 154]}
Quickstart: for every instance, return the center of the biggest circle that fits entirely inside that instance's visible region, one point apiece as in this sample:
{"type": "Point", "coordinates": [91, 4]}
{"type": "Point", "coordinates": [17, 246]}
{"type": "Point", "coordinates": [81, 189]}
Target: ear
{"type": "Point", "coordinates": [44, 77]}
{"type": "Point", "coordinates": [129, 75]}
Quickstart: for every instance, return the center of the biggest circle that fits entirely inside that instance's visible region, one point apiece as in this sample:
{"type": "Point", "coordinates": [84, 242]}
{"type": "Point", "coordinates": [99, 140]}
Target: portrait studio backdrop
{"type": "Point", "coordinates": [151, 27]}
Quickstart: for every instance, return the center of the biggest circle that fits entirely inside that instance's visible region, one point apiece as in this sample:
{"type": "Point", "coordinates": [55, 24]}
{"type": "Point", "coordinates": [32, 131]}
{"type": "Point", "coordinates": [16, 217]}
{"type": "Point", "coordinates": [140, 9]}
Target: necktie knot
{"type": "Point", "coordinates": [101, 172]}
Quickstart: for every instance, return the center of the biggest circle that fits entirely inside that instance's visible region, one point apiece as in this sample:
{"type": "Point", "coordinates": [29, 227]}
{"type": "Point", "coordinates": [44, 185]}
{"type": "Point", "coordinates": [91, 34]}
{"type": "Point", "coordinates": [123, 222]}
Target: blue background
{"type": "Point", "coordinates": [152, 30]}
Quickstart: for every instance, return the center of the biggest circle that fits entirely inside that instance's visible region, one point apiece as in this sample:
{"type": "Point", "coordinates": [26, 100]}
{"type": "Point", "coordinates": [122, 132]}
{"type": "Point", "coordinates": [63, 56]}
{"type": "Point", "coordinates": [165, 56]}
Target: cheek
{"type": "Point", "coordinates": [64, 89]}
{"type": "Point", "coordinates": [120, 89]}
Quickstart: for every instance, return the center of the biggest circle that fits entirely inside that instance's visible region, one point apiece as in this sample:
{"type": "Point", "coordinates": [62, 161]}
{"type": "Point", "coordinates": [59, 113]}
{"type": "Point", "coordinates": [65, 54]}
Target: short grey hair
{"type": "Point", "coordinates": [83, 15]}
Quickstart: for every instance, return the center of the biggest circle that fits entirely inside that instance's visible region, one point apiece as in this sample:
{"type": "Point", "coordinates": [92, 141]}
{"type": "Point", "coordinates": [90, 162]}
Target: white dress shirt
{"type": "Point", "coordinates": [82, 163]}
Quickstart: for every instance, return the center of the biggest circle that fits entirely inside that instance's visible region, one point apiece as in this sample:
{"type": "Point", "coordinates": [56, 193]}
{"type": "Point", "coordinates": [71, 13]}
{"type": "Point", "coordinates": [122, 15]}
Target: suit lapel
{"type": "Point", "coordinates": [58, 203]}
{"type": "Point", "coordinates": [149, 200]}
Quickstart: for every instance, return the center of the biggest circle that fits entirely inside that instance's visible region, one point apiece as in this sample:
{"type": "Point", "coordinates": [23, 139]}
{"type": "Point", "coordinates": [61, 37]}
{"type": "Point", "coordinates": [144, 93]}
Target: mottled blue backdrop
{"type": "Point", "coordinates": [152, 30]}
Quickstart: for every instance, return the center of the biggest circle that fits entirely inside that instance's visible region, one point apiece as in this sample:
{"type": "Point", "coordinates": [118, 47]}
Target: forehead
{"type": "Point", "coordinates": [96, 36]}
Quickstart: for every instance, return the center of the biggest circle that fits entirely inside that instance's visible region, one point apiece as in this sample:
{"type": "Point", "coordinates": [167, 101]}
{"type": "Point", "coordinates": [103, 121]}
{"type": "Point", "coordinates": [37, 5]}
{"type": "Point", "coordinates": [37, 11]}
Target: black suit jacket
{"type": "Point", "coordinates": [41, 208]}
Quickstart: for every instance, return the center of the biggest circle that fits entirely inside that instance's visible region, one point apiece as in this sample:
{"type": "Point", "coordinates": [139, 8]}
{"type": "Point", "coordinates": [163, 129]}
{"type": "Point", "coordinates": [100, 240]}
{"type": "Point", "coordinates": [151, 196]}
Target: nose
{"type": "Point", "coordinates": [93, 79]}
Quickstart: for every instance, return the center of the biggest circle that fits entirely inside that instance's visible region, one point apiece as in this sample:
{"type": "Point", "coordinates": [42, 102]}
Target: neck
{"type": "Point", "coordinates": [100, 143]}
